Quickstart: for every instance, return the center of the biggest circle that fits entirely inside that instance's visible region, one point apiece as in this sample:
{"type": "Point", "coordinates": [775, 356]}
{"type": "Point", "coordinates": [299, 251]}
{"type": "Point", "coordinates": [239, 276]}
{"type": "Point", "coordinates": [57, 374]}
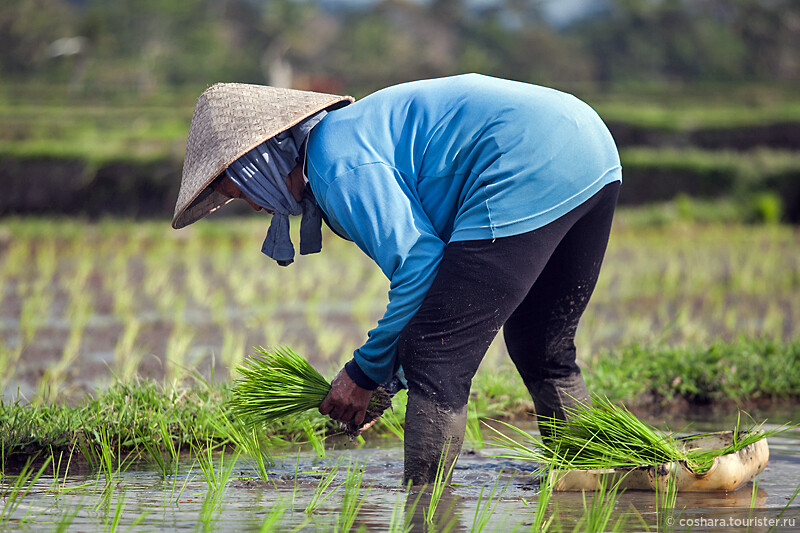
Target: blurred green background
{"type": "Point", "coordinates": [96, 96]}
{"type": "Point", "coordinates": [702, 96]}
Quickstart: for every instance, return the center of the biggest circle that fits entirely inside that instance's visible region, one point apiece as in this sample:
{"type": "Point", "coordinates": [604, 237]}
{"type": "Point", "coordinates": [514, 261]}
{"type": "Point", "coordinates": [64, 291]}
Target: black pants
{"type": "Point", "coordinates": [536, 284]}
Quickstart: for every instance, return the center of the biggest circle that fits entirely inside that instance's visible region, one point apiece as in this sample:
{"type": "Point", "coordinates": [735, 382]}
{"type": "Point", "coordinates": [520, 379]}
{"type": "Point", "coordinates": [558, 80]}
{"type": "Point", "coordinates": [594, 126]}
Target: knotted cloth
{"type": "Point", "coordinates": [261, 175]}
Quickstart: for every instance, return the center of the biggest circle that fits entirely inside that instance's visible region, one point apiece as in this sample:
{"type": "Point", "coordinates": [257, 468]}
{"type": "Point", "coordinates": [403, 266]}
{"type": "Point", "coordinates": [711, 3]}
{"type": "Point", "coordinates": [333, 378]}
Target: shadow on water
{"type": "Point", "coordinates": [141, 499]}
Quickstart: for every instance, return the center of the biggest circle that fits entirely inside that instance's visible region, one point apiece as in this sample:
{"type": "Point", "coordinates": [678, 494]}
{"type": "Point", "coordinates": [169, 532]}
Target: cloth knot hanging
{"type": "Point", "coordinates": [261, 175]}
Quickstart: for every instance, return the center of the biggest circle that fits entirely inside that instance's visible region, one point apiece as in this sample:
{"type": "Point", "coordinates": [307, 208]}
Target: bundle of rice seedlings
{"type": "Point", "coordinates": [603, 436]}
{"type": "Point", "coordinates": [700, 459]}
{"type": "Point", "coordinates": [278, 383]}
{"type": "Point", "coordinates": [606, 436]}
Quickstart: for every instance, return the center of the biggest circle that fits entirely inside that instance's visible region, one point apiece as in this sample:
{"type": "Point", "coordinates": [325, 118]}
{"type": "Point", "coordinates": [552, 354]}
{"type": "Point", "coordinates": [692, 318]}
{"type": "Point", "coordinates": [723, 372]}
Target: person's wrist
{"type": "Point", "coordinates": [358, 376]}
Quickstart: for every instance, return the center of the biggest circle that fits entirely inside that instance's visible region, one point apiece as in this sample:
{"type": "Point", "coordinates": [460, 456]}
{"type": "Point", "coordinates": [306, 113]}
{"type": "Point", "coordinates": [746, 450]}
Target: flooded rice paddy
{"type": "Point", "coordinates": [85, 304]}
{"type": "Point", "coordinates": [139, 498]}
{"type": "Point", "coordinates": [82, 304]}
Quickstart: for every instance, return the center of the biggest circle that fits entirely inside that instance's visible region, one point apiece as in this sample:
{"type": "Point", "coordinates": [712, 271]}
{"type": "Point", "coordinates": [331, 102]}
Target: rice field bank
{"type": "Point", "coordinates": [119, 341]}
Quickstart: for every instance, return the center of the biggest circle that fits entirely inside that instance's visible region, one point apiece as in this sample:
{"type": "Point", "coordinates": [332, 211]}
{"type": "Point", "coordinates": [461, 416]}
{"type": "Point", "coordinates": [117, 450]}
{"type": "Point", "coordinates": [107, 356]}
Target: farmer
{"type": "Point", "coordinates": [487, 203]}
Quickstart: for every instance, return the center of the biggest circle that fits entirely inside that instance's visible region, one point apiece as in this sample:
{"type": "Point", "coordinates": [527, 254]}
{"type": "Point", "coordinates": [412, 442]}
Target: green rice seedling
{"type": "Point", "coordinates": [443, 473]}
{"type": "Point", "coordinates": [218, 307]}
{"type": "Point", "coordinates": [250, 441]}
{"type": "Point", "coordinates": [701, 460]}
{"type": "Point", "coordinates": [112, 465]}
{"type": "Point", "coordinates": [353, 498]}
{"type": "Point", "coordinates": [280, 383]}
{"type": "Point", "coordinates": [54, 375]}
{"type": "Point", "coordinates": [233, 348]}
{"type": "Point", "coordinates": [216, 477]}
{"type": "Point", "coordinates": [604, 434]}
{"type": "Point", "coordinates": [153, 450]}
{"type": "Point", "coordinates": [316, 440]}
{"type": "Point", "coordinates": [210, 510]}
{"type": "Point", "coordinates": [296, 477]}
{"type": "Point", "coordinates": [473, 433]}
{"type": "Point", "coordinates": [597, 513]}
{"type": "Point", "coordinates": [392, 419]}
{"type": "Point", "coordinates": [17, 491]}
{"type": "Point", "coordinates": [322, 492]}
{"type": "Point", "coordinates": [17, 257]}
{"type": "Point", "coordinates": [59, 481]}
{"type": "Point", "coordinates": [186, 480]}
{"type": "Point", "coordinates": [112, 523]}
{"type": "Point", "coordinates": [197, 282]}
{"type": "Point", "coordinates": [34, 310]}
{"type": "Point", "coordinates": [9, 357]}
{"type": "Point", "coordinates": [541, 523]}
{"type": "Point", "coordinates": [484, 509]}
{"type": "Point", "coordinates": [177, 347]}
{"type": "Point", "coordinates": [402, 512]}
{"type": "Point", "coordinates": [272, 518]}
{"type": "Point", "coordinates": [785, 508]}
{"type": "Point", "coordinates": [753, 493]}
{"type": "Point", "coordinates": [126, 357]}
{"type": "Point", "coordinates": [666, 500]}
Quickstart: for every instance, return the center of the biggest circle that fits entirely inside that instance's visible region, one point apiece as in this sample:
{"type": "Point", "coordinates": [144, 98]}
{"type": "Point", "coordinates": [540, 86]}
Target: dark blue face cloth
{"type": "Point", "coordinates": [261, 176]}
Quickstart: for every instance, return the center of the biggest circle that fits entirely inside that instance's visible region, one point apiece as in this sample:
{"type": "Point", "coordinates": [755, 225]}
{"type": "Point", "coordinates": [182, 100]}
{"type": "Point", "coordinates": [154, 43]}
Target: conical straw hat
{"type": "Point", "coordinates": [229, 120]}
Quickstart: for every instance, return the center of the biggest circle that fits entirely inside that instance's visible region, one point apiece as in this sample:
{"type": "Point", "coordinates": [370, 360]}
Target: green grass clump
{"type": "Point", "coordinates": [274, 385]}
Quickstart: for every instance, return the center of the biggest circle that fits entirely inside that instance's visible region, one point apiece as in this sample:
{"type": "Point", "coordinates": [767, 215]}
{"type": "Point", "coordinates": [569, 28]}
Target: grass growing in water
{"type": "Point", "coordinates": [443, 473]}
{"type": "Point", "coordinates": [541, 523]}
{"type": "Point", "coordinates": [19, 489]}
{"type": "Point", "coordinates": [353, 498]}
{"type": "Point", "coordinates": [597, 513]}
{"type": "Point", "coordinates": [251, 443]}
{"type": "Point", "coordinates": [485, 508]}
{"type": "Point", "coordinates": [321, 492]}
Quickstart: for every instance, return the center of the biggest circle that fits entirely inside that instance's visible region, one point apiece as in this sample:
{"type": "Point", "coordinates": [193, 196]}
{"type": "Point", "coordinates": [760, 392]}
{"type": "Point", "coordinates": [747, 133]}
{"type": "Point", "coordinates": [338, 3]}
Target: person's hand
{"type": "Point", "coordinates": [346, 401]}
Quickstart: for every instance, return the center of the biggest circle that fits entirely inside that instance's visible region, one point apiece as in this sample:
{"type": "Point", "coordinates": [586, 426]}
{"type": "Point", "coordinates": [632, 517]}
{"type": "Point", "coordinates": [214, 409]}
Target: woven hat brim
{"type": "Point", "coordinates": [226, 124]}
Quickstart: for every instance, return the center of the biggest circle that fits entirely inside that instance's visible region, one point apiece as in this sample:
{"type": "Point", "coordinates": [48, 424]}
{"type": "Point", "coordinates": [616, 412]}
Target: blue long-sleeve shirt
{"type": "Point", "coordinates": [410, 168]}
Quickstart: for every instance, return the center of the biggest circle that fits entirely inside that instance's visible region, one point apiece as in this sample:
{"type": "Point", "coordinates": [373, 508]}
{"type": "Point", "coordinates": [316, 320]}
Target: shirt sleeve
{"type": "Point", "coordinates": [384, 218]}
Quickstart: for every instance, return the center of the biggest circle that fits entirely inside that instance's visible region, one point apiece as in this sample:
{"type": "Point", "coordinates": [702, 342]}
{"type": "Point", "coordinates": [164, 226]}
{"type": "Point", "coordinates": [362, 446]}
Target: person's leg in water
{"type": "Point", "coordinates": [540, 334]}
{"type": "Point", "coordinates": [477, 288]}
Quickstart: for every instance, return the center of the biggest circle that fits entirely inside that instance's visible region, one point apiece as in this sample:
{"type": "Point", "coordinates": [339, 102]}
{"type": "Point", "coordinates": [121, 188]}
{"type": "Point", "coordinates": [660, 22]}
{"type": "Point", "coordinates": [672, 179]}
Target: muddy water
{"type": "Point", "coordinates": [142, 500]}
